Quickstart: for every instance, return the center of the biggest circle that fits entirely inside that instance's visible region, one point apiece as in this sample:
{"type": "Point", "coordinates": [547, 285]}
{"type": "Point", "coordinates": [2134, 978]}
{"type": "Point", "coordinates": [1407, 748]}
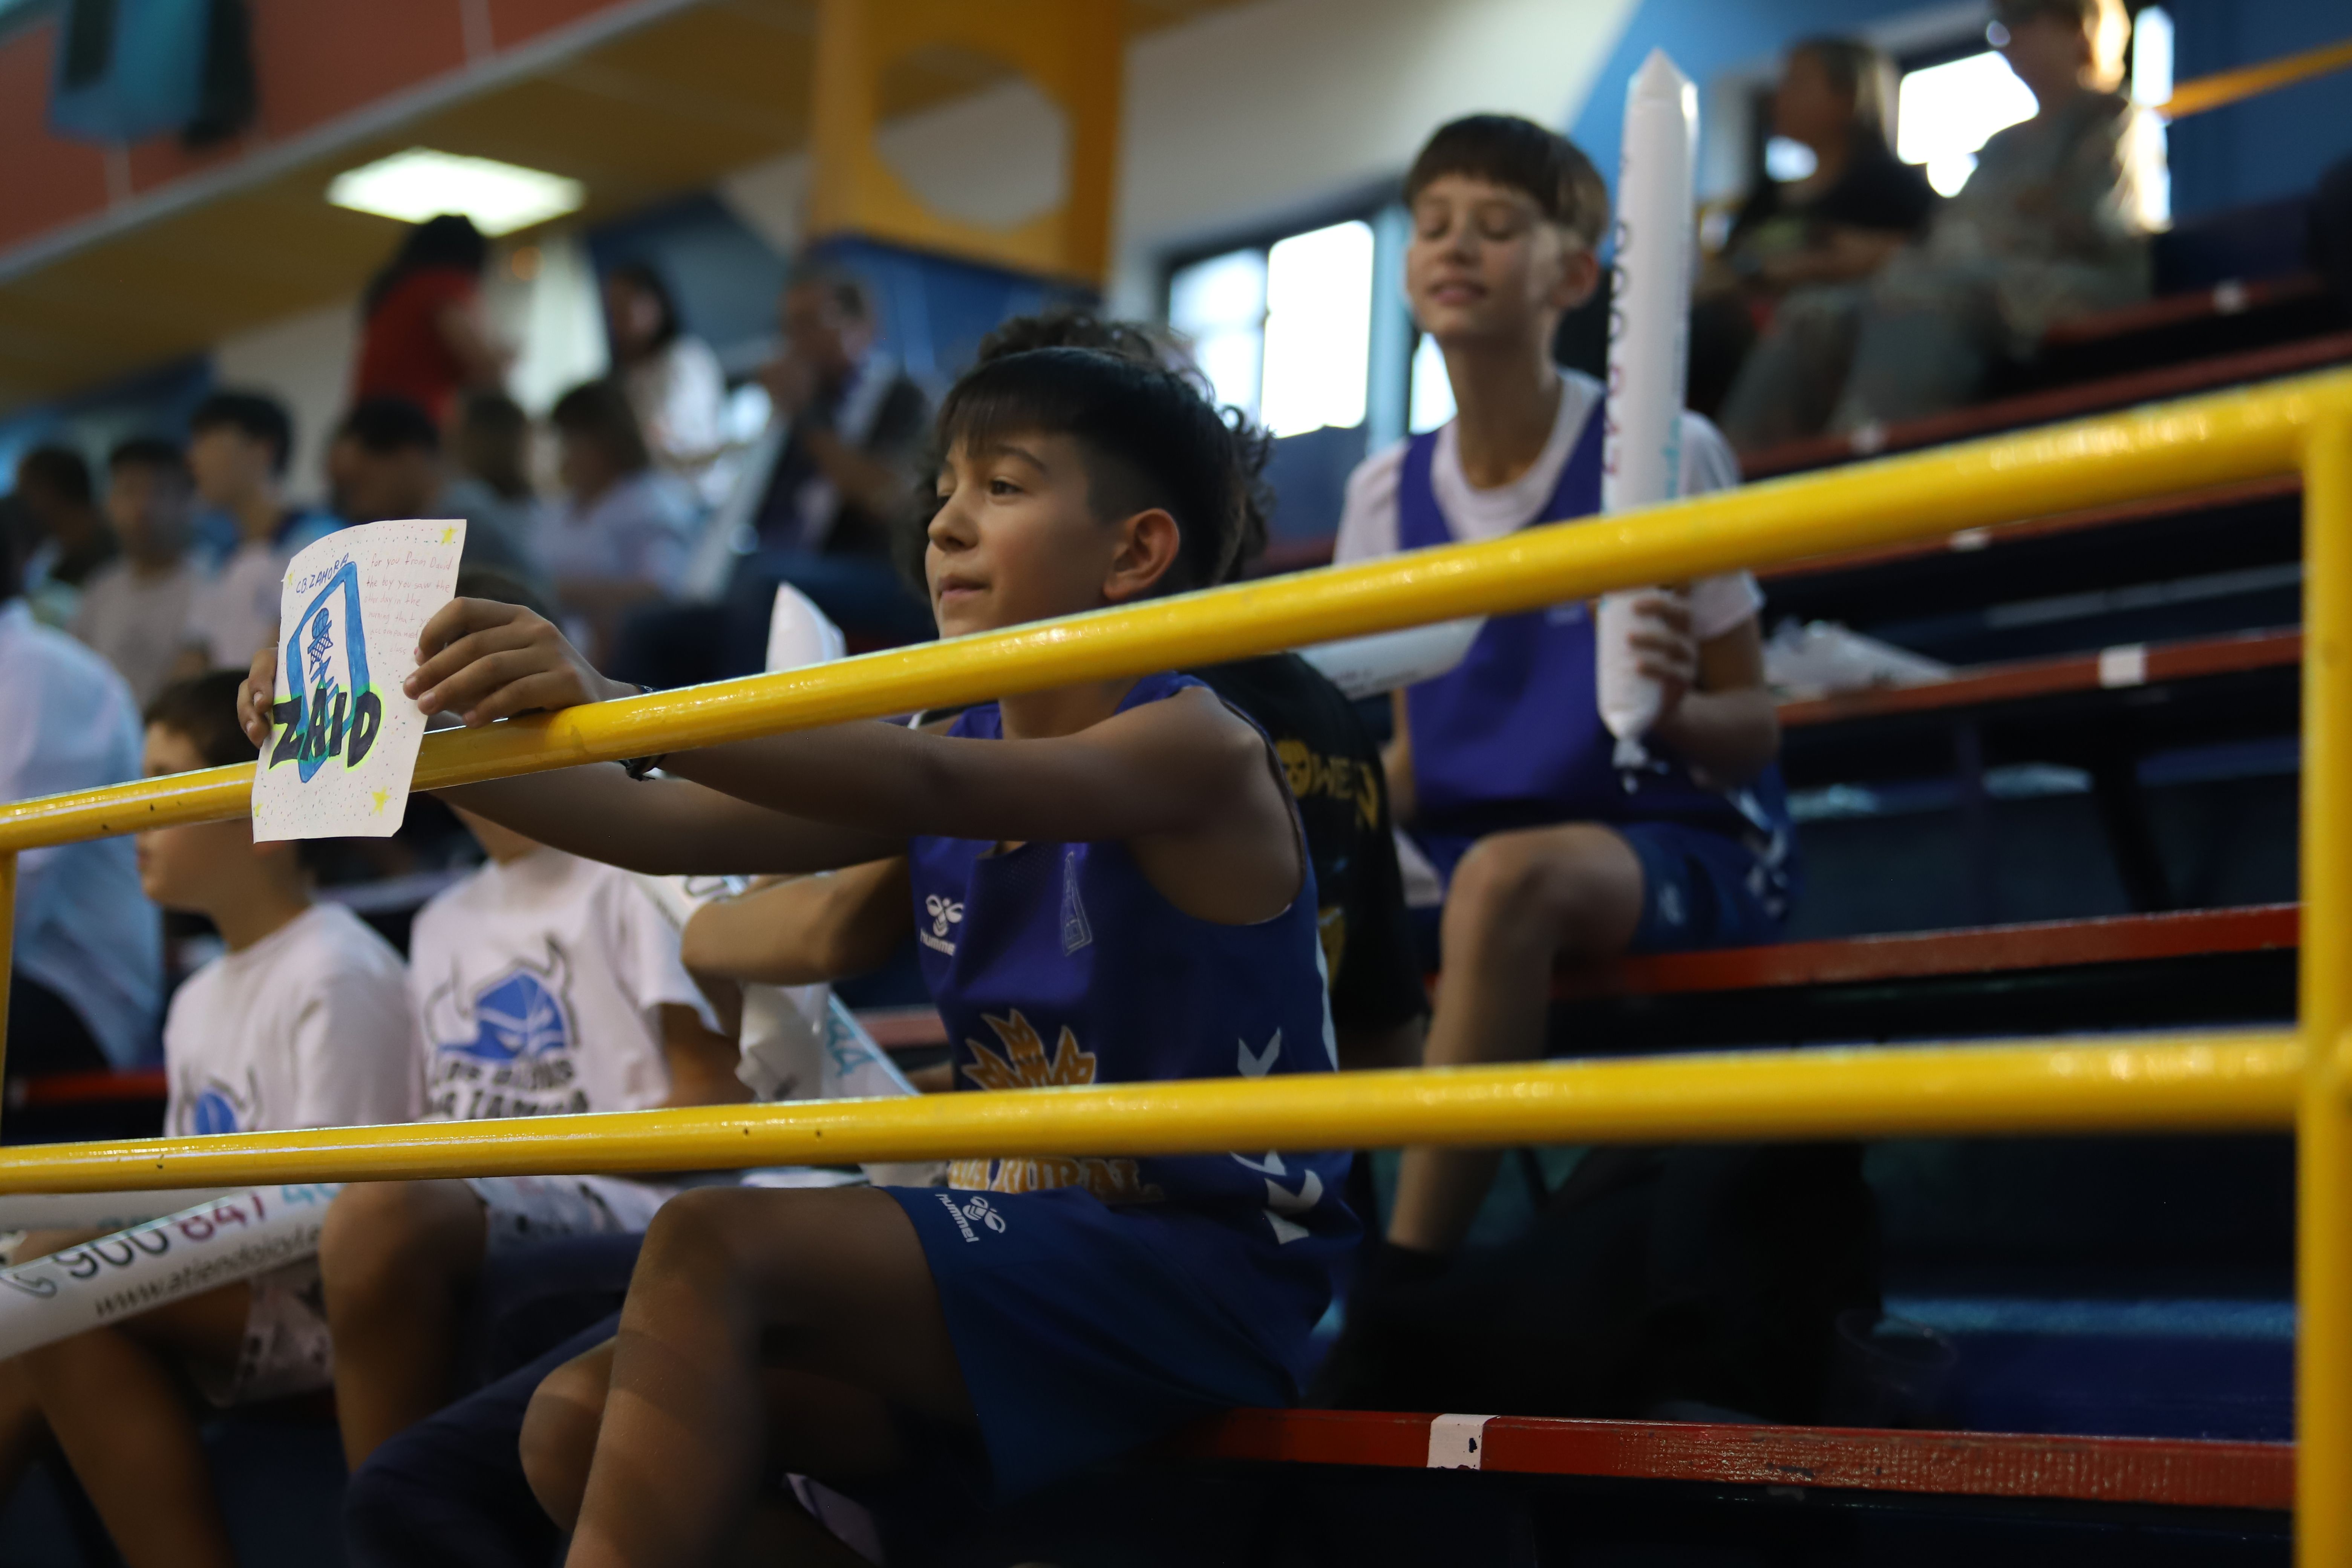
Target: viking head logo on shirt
{"type": "Point", "coordinates": [521, 1015]}
{"type": "Point", "coordinates": [330, 708]}
{"type": "Point", "coordinates": [218, 1107]}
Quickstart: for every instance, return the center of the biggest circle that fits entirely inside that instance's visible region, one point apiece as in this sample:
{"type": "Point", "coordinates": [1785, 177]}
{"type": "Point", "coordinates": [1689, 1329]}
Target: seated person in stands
{"type": "Point", "coordinates": [1501, 768]}
{"type": "Point", "coordinates": [1136, 903]}
{"type": "Point", "coordinates": [239, 443]}
{"type": "Point", "coordinates": [624, 530]}
{"type": "Point", "coordinates": [73, 537]}
{"type": "Point", "coordinates": [1837, 225]}
{"type": "Point", "coordinates": [386, 462]}
{"type": "Point", "coordinates": [542, 984]}
{"type": "Point", "coordinates": [821, 928]}
{"type": "Point", "coordinates": [135, 609]}
{"type": "Point", "coordinates": [86, 970]}
{"type": "Point", "coordinates": [853, 424]}
{"type": "Point", "coordinates": [673, 379]}
{"type": "Point", "coordinates": [815, 501]}
{"type": "Point", "coordinates": [490, 466]}
{"type": "Point", "coordinates": [301, 1023]}
{"type": "Point", "coordinates": [2052, 223]}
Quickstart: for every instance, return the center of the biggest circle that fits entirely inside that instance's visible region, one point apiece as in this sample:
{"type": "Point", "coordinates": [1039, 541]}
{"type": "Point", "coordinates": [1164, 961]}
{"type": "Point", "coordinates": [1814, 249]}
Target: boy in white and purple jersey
{"type": "Point", "coordinates": [1502, 771]}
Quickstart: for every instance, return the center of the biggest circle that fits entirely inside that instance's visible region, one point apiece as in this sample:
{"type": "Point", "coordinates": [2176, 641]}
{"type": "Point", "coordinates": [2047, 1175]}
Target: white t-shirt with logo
{"type": "Point", "coordinates": [538, 988]}
{"type": "Point", "coordinates": [307, 1027]}
{"type": "Point", "coordinates": [1368, 524]}
{"type": "Point", "coordinates": [234, 613]}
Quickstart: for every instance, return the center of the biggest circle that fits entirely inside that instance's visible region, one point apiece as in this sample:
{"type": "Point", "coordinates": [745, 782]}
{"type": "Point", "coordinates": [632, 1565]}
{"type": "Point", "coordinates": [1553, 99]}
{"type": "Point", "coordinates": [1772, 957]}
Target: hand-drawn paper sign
{"type": "Point", "coordinates": [344, 738]}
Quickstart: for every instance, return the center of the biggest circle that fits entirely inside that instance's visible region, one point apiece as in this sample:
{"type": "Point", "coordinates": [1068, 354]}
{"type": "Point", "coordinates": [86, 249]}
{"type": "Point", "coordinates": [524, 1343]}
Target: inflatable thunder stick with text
{"type": "Point", "coordinates": [213, 1243]}
{"type": "Point", "coordinates": [1649, 327]}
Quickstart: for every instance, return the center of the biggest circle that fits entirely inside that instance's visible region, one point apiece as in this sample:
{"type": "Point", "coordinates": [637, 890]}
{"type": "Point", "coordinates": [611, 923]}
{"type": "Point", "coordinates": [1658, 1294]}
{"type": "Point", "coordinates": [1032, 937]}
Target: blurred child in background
{"type": "Point", "coordinates": [540, 986]}
{"type": "Point", "coordinates": [135, 609]}
{"type": "Point", "coordinates": [301, 1023]}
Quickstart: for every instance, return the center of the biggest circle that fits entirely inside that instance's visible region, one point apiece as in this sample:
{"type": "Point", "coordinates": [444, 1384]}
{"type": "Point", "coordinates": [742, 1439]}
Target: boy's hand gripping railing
{"type": "Point", "coordinates": [2113, 1084]}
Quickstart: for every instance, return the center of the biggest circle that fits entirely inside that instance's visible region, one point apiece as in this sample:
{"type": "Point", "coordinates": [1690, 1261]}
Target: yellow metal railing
{"type": "Point", "coordinates": [2225, 88]}
{"type": "Point", "coordinates": [2211, 1081]}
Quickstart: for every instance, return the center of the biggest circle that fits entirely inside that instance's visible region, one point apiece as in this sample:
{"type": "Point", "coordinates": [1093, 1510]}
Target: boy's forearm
{"type": "Point", "coordinates": [660, 826]}
{"type": "Point", "coordinates": [1731, 736]}
{"type": "Point", "coordinates": [805, 931]}
{"type": "Point", "coordinates": [884, 784]}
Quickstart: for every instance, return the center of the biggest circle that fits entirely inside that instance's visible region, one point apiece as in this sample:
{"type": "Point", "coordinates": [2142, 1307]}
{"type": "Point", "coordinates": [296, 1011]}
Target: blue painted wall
{"type": "Point", "coordinates": [2267, 147]}
{"type": "Point", "coordinates": [152, 403]}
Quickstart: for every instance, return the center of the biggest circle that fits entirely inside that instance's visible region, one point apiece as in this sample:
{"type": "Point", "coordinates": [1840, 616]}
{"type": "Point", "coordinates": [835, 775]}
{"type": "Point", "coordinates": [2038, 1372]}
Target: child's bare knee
{"type": "Point", "coordinates": [1566, 887]}
{"type": "Point", "coordinates": [558, 1432]}
{"type": "Point", "coordinates": [379, 1233]}
{"type": "Point", "coordinates": [695, 1230]}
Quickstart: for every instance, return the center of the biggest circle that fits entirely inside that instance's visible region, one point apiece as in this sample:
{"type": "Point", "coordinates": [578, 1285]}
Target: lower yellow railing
{"type": "Point", "coordinates": [2215, 1081]}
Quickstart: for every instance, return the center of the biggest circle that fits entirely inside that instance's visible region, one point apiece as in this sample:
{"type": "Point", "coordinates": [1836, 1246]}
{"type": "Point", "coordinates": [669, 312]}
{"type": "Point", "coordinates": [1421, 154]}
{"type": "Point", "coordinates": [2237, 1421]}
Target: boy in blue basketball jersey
{"type": "Point", "coordinates": [1116, 882]}
{"type": "Point", "coordinates": [1501, 770]}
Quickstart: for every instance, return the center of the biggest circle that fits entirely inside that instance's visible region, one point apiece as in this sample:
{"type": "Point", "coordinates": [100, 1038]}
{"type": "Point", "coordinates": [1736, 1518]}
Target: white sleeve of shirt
{"type": "Point", "coordinates": [354, 1049]}
{"type": "Point", "coordinates": [645, 955]}
{"type": "Point", "coordinates": [1368, 519]}
{"type": "Point", "coordinates": [1718, 604]}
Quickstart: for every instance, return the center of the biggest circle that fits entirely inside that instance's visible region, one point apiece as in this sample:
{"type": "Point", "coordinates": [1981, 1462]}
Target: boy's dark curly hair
{"type": "Point", "coordinates": [998, 403]}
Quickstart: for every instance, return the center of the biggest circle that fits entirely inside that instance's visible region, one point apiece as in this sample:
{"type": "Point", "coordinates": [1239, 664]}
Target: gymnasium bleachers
{"type": "Point", "coordinates": [2088, 825]}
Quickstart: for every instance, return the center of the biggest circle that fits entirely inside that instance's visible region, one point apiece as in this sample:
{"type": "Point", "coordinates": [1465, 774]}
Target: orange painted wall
{"type": "Point", "coordinates": [315, 60]}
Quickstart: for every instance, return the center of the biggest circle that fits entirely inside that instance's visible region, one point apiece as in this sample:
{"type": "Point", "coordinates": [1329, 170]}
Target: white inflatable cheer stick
{"type": "Point", "coordinates": [1649, 327]}
{"type": "Point", "coordinates": [121, 1276]}
{"type": "Point", "coordinates": [1366, 667]}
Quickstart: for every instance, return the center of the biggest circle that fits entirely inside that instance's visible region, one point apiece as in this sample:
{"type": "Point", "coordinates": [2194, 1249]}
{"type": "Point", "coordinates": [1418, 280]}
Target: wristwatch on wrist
{"type": "Point", "coordinates": [641, 768]}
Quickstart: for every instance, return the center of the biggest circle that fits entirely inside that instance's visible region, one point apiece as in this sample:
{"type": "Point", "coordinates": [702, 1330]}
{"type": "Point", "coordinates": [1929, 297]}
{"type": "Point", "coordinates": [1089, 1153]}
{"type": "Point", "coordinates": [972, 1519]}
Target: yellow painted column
{"type": "Point", "coordinates": [1072, 51]}
{"type": "Point", "coordinates": [2323, 1187]}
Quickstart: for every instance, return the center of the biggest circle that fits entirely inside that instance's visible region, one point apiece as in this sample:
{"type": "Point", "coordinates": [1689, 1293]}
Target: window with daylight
{"type": "Point", "coordinates": [1219, 305]}
{"type": "Point", "coordinates": [1285, 332]}
{"type": "Point", "coordinates": [2151, 81]}
{"type": "Point", "coordinates": [1319, 329]}
{"type": "Point", "coordinates": [1944, 113]}
{"type": "Point", "coordinates": [1430, 403]}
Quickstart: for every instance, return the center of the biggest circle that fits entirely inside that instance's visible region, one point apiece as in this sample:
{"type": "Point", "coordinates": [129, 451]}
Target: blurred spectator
{"type": "Point", "coordinates": [1837, 225]}
{"type": "Point", "coordinates": [386, 462]}
{"type": "Point", "coordinates": [624, 530]}
{"type": "Point", "coordinates": [815, 503]}
{"type": "Point", "coordinates": [87, 965]}
{"type": "Point", "coordinates": [2053, 223]}
{"type": "Point", "coordinates": [493, 452]}
{"type": "Point", "coordinates": [71, 539]}
{"type": "Point", "coordinates": [134, 610]}
{"type": "Point", "coordinates": [422, 335]}
{"type": "Point", "coordinates": [238, 444]}
{"type": "Point", "coordinates": [672, 378]}
{"type": "Point", "coordinates": [852, 426]}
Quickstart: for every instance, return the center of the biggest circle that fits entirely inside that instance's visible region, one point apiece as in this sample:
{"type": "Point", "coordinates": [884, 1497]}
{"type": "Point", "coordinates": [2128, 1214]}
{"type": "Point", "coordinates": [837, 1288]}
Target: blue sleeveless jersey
{"type": "Point", "coordinates": [1512, 736]}
{"type": "Point", "coordinates": [1061, 964]}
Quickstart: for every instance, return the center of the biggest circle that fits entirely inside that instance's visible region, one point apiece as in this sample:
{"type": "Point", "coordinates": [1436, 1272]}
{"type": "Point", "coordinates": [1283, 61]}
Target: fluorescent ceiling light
{"type": "Point", "coordinates": [420, 183]}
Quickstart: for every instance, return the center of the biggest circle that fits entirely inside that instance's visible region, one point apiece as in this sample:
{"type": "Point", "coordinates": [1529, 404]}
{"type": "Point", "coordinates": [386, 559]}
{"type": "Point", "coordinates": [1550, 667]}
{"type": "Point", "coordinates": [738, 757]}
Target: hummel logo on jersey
{"type": "Point", "coordinates": [945, 914]}
{"type": "Point", "coordinates": [978, 1209]}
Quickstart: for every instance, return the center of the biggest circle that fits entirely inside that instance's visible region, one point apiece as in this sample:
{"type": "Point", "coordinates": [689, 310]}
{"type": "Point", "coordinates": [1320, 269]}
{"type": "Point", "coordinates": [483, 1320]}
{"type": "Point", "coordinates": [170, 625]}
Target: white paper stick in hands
{"type": "Point", "coordinates": [343, 736]}
{"type": "Point", "coordinates": [135, 1270]}
{"type": "Point", "coordinates": [1649, 328]}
